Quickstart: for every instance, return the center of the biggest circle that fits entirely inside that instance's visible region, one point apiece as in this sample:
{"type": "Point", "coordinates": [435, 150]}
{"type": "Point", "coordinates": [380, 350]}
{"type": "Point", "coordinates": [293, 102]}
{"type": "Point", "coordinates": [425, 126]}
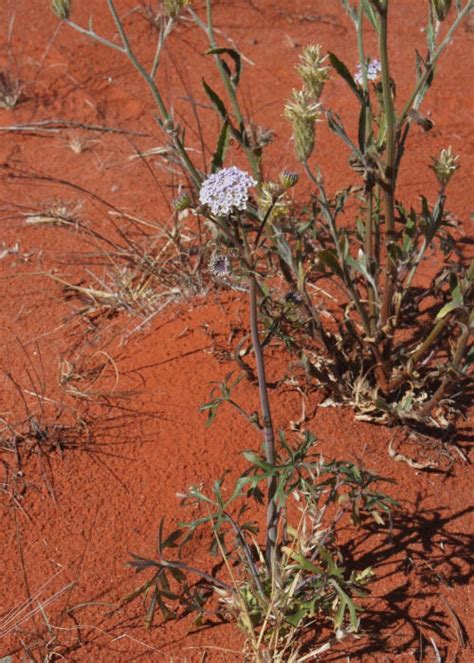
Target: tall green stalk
{"type": "Point", "coordinates": [165, 116]}
{"type": "Point", "coordinates": [229, 87]}
{"type": "Point", "coordinates": [388, 186]}
{"type": "Point", "coordinates": [369, 239]}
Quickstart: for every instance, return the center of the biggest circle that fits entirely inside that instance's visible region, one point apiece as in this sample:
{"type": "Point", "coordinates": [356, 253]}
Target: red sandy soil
{"type": "Point", "coordinates": [72, 512]}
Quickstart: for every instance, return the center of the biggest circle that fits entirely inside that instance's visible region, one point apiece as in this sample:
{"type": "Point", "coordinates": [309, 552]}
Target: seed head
{"type": "Point", "coordinates": [62, 8]}
{"type": "Point", "coordinates": [441, 8]}
{"type": "Point", "coordinates": [373, 69]}
{"type": "Point", "coordinates": [313, 70]}
{"type": "Point", "coordinates": [445, 165]}
{"type": "Point", "coordinates": [173, 7]}
{"type": "Point", "coordinates": [303, 113]}
{"type": "Point", "coordinates": [226, 191]}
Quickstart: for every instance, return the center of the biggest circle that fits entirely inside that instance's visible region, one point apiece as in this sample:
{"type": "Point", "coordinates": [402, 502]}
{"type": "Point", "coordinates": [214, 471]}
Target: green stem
{"type": "Point", "coordinates": [231, 92]}
{"type": "Point", "coordinates": [164, 34]}
{"type": "Point", "coordinates": [388, 185]}
{"type": "Point", "coordinates": [426, 243]}
{"type": "Point", "coordinates": [381, 367]}
{"type": "Point", "coordinates": [273, 512]}
{"type": "Point", "coordinates": [126, 49]}
{"type": "Point", "coordinates": [414, 101]}
{"type": "Point", "coordinates": [157, 96]}
{"type": "Point", "coordinates": [451, 374]}
{"type": "Point", "coordinates": [428, 342]}
{"type": "Point", "coordinates": [348, 283]}
{"type": "Point", "coordinates": [369, 222]}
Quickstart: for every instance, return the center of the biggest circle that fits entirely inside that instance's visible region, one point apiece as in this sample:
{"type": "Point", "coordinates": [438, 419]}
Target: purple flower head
{"type": "Point", "coordinates": [226, 191]}
{"type": "Point", "coordinates": [373, 69]}
{"type": "Point", "coordinates": [219, 265]}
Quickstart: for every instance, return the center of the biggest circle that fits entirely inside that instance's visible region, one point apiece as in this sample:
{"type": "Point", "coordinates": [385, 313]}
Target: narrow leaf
{"type": "Point", "coordinates": [235, 55]}
{"type": "Point", "coordinates": [344, 73]}
{"type": "Point", "coordinates": [221, 148]}
{"type": "Point", "coordinates": [447, 308]}
{"type": "Point", "coordinates": [216, 101]}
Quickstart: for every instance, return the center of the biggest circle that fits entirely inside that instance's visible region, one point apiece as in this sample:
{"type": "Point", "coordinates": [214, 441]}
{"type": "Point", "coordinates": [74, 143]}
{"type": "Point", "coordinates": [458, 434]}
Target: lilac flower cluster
{"type": "Point", "coordinates": [219, 265]}
{"type": "Point", "coordinates": [226, 191]}
{"type": "Point", "coordinates": [373, 69]}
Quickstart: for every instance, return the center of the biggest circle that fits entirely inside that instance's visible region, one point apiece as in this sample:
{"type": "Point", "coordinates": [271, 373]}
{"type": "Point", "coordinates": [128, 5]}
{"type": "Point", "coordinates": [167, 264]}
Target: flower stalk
{"type": "Point", "coordinates": [273, 512]}
{"type": "Point", "coordinates": [388, 185]}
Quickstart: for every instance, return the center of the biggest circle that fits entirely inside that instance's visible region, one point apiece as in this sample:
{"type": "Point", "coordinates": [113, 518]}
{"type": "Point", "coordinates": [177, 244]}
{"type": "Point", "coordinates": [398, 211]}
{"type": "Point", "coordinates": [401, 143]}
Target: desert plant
{"type": "Point", "coordinates": [393, 358]}
{"type": "Point", "coordinates": [393, 351]}
{"type": "Point", "coordinates": [10, 85]}
{"type": "Point", "coordinates": [293, 579]}
{"type": "Point", "coordinates": [303, 586]}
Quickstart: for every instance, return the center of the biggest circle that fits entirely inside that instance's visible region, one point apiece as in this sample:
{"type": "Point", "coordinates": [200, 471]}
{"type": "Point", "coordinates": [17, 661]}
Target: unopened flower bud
{"type": "Point", "coordinates": [182, 202]}
{"type": "Point", "coordinates": [272, 201]}
{"type": "Point", "coordinates": [445, 165]}
{"type": "Point", "coordinates": [441, 8]}
{"type": "Point", "coordinates": [288, 179]}
{"type": "Point", "coordinates": [62, 8]}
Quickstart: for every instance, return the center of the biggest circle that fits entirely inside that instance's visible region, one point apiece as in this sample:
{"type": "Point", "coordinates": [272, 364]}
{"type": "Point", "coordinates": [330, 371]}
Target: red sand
{"type": "Point", "coordinates": [75, 511]}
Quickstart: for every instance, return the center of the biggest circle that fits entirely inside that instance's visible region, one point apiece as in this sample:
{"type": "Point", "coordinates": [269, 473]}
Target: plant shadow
{"type": "Point", "coordinates": [421, 560]}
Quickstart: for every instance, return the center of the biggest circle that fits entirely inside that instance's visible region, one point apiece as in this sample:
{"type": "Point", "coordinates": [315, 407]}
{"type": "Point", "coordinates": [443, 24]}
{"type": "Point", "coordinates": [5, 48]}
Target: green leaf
{"type": "Point", "coordinates": [216, 101]}
{"type": "Point", "coordinates": [371, 15]}
{"type": "Point", "coordinates": [156, 599]}
{"type": "Point", "coordinates": [336, 125]}
{"type": "Point", "coordinates": [329, 259]}
{"type": "Point", "coordinates": [172, 539]}
{"type": "Point", "coordinates": [447, 308]}
{"type": "Point", "coordinates": [346, 603]}
{"type": "Point", "coordinates": [235, 55]}
{"type": "Point", "coordinates": [430, 34]}
{"type": "Point", "coordinates": [362, 267]}
{"type": "Point", "coordinates": [304, 564]}
{"type": "Point", "coordinates": [344, 73]}
{"type": "Point", "coordinates": [257, 461]}
{"type": "Point", "coordinates": [362, 122]}
{"type": "Point", "coordinates": [221, 148]}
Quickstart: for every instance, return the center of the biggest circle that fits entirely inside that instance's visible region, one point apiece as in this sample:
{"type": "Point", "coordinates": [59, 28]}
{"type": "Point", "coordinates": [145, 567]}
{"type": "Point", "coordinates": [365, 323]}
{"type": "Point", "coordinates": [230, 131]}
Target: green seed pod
{"type": "Point", "coordinates": [441, 8]}
{"type": "Point", "coordinates": [62, 8]}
